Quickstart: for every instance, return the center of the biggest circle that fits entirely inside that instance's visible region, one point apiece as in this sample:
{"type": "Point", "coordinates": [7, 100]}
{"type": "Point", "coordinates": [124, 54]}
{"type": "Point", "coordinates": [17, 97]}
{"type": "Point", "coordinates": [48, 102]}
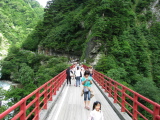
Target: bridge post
{"type": "Point", "coordinates": [45, 96]}
{"type": "Point", "coordinates": [135, 106]}
{"type": "Point", "coordinates": [156, 112]}
{"type": "Point", "coordinates": [106, 85]}
{"type": "Point", "coordinates": [103, 82]}
{"type": "Point", "coordinates": [37, 105]}
{"type": "Point", "coordinates": [55, 86]}
{"type": "Point", "coordinates": [23, 108]}
{"type": "Point", "coordinates": [123, 100]}
{"type": "Point", "coordinates": [62, 79]}
{"type": "Point", "coordinates": [98, 78]}
{"type": "Point", "coordinates": [115, 93]}
{"type": "Point", "coordinates": [110, 87]}
{"type": "Point", "coordinates": [51, 91]}
{"type": "Point", "coordinates": [58, 82]}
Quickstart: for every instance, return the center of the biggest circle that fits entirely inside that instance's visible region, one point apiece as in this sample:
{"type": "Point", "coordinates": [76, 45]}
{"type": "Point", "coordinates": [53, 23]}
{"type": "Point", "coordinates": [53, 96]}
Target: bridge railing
{"type": "Point", "coordinates": [36, 101]}
{"type": "Point", "coordinates": [129, 100]}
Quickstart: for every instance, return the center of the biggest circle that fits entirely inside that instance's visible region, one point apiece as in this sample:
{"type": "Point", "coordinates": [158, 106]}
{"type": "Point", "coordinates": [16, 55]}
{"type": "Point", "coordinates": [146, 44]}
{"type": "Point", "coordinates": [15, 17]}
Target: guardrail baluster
{"type": "Point", "coordinates": [109, 87]}
{"type": "Point", "coordinates": [135, 107]}
{"type": "Point", "coordinates": [45, 96]}
{"type": "Point", "coordinates": [123, 100]}
{"type": "Point", "coordinates": [156, 112]}
{"type": "Point", "coordinates": [23, 108]}
{"type": "Point", "coordinates": [115, 93]}
{"type": "Point", "coordinates": [51, 91]}
{"type": "Point", "coordinates": [58, 82]}
{"type": "Point", "coordinates": [37, 104]}
{"type": "Point", "coordinates": [55, 85]}
{"type": "Point", "coordinates": [105, 88]}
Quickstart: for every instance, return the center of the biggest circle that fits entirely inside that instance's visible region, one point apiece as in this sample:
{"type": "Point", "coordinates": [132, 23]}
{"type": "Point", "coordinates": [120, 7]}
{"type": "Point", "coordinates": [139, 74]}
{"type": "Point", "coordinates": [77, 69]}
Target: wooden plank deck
{"type": "Point", "coordinates": [70, 105]}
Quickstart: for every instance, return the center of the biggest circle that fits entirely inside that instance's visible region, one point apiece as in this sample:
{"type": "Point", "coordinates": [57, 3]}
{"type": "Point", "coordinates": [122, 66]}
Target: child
{"type": "Point", "coordinates": [96, 114]}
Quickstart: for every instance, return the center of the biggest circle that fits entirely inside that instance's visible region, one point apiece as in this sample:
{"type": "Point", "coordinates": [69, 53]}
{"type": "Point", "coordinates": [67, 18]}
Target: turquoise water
{"type": "Point", "coordinates": [5, 84]}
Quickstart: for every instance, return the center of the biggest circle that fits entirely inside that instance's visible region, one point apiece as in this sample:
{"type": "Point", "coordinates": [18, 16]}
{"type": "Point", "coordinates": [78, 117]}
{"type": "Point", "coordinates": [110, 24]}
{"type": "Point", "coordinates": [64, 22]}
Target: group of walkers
{"type": "Point", "coordinates": [75, 73]}
{"type": "Point", "coordinates": [84, 77]}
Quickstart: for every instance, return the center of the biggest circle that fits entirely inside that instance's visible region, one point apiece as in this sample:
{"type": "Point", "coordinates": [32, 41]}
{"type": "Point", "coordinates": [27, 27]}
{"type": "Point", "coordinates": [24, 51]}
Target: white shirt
{"type": "Point", "coordinates": [78, 73]}
{"type": "Point", "coordinates": [96, 115]}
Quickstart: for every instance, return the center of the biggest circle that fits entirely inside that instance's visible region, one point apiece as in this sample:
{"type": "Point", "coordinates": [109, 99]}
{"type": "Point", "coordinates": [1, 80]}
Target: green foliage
{"type": "Point", "coordinates": [71, 22]}
{"type": "Point", "coordinates": [26, 75]}
{"type": "Point", "coordinates": [117, 74]}
{"type": "Point", "coordinates": [142, 4]}
{"type": "Point", "coordinates": [133, 56]}
{"type": "Point", "coordinates": [147, 87]}
{"type": "Point", "coordinates": [18, 18]}
{"type": "Point", "coordinates": [106, 63]}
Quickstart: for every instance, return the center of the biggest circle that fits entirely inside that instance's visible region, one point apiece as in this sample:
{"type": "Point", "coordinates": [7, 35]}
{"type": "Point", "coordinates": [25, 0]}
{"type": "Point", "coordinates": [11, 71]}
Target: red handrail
{"type": "Point", "coordinates": [39, 99]}
{"type": "Point", "coordinates": [120, 93]}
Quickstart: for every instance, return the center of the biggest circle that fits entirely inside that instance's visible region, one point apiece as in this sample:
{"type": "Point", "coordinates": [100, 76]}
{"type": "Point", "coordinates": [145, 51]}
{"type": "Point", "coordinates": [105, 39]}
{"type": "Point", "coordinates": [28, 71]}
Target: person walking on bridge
{"type": "Point", "coordinates": [68, 77]}
{"type": "Point", "coordinates": [91, 70]}
{"type": "Point", "coordinates": [87, 82]}
{"type": "Point", "coordinates": [78, 75]}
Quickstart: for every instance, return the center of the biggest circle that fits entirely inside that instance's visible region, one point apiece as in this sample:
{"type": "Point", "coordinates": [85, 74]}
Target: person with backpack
{"type": "Point", "coordinates": [96, 114]}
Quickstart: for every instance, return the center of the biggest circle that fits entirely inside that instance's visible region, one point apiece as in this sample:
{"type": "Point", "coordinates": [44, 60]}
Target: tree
{"type": "Point", "coordinates": [26, 75]}
{"type": "Point", "coordinates": [147, 87]}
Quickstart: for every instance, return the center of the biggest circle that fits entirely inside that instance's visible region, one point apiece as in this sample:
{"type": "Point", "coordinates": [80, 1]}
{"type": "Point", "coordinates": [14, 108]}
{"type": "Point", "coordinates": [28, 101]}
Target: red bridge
{"type": "Point", "coordinates": [56, 101]}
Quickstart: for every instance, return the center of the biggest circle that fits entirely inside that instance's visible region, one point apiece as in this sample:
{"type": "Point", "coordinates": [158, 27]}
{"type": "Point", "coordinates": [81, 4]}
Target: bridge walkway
{"type": "Point", "coordinates": [70, 105]}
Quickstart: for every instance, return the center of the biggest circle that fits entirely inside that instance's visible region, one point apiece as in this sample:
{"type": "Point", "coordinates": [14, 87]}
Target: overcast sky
{"type": "Point", "coordinates": [43, 2]}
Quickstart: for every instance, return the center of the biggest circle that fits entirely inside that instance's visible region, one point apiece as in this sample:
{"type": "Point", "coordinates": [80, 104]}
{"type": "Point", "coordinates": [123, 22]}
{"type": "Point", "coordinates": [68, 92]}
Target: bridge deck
{"type": "Point", "coordinates": [70, 105]}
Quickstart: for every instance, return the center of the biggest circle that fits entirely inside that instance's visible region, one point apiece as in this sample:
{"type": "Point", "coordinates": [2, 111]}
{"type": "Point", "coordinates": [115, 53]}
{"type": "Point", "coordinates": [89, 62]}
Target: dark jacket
{"type": "Point", "coordinates": [68, 73]}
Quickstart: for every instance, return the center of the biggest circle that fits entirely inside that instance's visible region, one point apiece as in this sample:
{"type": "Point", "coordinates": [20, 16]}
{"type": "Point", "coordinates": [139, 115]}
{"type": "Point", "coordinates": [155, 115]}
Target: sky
{"type": "Point", "coordinates": [43, 2]}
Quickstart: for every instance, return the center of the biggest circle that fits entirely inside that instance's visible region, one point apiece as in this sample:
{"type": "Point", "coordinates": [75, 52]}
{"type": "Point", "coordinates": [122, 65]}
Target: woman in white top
{"type": "Point", "coordinates": [96, 114]}
{"type": "Point", "coordinates": [78, 75]}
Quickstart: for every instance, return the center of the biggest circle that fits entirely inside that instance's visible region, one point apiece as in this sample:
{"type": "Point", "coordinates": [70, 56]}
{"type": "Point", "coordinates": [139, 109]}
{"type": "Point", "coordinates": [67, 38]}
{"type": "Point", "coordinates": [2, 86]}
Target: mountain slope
{"type": "Point", "coordinates": [124, 31]}
{"type": "Point", "coordinates": [17, 19]}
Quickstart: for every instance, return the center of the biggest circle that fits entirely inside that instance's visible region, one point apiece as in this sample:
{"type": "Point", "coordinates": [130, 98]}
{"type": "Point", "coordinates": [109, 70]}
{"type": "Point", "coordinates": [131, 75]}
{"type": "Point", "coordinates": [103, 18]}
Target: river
{"type": "Point", "coordinates": [6, 86]}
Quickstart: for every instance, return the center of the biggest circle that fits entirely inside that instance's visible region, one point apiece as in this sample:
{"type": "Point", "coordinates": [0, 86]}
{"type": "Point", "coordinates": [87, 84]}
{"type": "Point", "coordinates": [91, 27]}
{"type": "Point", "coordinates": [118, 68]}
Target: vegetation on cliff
{"type": "Point", "coordinates": [17, 19]}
